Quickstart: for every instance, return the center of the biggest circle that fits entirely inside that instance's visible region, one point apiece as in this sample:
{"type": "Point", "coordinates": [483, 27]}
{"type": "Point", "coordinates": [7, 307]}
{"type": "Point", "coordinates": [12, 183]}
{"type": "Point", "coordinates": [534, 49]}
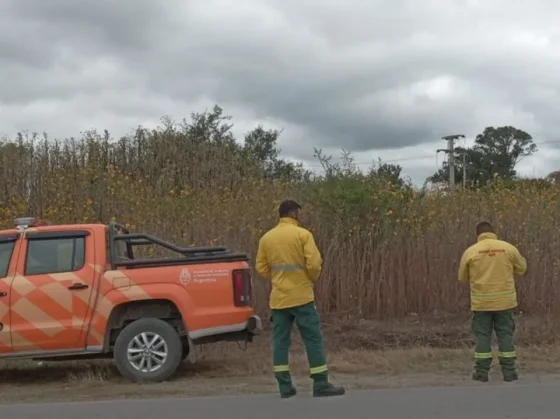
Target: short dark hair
{"type": "Point", "coordinates": [484, 227]}
{"type": "Point", "coordinates": [287, 207]}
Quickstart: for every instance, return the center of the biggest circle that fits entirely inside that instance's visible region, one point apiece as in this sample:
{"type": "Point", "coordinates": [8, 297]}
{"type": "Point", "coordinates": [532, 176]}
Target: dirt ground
{"type": "Point", "coordinates": [361, 354]}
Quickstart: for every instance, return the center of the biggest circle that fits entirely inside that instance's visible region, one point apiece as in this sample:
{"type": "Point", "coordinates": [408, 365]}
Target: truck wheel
{"type": "Point", "coordinates": [148, 350]}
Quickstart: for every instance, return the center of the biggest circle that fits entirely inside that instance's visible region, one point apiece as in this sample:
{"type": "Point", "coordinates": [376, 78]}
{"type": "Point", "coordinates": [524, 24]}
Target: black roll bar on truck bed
{"type": "Point", "coordinates": [185, 255]}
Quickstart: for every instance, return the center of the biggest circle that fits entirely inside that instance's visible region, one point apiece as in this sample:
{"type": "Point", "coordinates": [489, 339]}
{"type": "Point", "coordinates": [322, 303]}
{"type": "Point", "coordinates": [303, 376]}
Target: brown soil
{"type": "Point", "coordinates": [361, 354]}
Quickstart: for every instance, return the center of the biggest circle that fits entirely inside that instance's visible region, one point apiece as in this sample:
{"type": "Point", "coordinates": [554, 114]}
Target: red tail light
{"type": "Point", "coordinates": [242, 288]}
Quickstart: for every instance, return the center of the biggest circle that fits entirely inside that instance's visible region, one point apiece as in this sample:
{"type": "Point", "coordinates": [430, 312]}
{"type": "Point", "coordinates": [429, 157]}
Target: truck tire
{"type": "Point", "coordinates": [148, 350]}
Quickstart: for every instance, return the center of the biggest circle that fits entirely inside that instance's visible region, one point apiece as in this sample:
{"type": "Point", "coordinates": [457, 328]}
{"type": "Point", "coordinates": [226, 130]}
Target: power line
{"type": "Point", "coordinates": [413, 158]}
{"type": "Point", "coordinates": [371, 162]}
{"type": "Point", "coordinates": [550, 142]}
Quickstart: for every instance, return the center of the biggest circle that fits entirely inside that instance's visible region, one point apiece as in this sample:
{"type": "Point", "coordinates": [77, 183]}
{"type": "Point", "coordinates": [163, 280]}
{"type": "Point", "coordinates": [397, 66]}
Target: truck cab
{"type": "Point", "coordinates": [83, 291]}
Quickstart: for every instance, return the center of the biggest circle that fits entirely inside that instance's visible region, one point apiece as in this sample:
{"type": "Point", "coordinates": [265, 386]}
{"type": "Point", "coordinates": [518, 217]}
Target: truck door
{"type": "Point", "coordinates": [9, 246]}
{"type": "Point", "coordinates": [49, 301]}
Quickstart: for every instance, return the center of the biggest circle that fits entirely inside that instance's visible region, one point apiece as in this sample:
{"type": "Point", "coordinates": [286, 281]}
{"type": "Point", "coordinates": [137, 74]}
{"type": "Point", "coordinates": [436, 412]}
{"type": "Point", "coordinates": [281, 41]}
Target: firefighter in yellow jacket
{"type": "Point", "coordinates": [489, 267]}
{"type": "Point", "coordinates": [289, 258]}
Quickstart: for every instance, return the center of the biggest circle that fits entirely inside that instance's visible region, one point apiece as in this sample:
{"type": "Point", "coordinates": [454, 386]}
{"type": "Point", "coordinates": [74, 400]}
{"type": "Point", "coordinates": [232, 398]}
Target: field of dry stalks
{"type": "Point", "coordinates": [390, 253]}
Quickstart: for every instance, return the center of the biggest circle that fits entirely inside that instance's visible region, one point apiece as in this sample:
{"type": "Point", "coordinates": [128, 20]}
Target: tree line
{"type": "Point", "coordinates": [495, 154]}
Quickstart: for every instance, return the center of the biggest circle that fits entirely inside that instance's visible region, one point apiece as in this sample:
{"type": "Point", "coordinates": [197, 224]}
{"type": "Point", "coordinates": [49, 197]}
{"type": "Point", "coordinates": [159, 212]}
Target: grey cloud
{"type": "Point", "coordinates": [355, 74]}
{"type": "Point", "coordinates": [127, 25]}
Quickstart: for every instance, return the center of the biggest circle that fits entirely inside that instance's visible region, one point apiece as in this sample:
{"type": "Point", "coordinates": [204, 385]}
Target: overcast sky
{"type": "Point", "coordinates": [383, 79]}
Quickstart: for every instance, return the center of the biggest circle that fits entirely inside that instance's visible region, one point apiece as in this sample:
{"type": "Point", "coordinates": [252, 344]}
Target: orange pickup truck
{"type": "Point", "coordinates": [90, 291]}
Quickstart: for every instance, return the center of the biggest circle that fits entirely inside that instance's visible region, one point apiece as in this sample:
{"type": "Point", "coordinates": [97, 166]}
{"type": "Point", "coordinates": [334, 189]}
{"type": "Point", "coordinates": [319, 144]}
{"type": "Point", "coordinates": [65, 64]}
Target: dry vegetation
{"type": "Point", "coordinates": [414, 354]}
{"type": "Point", "coordinates": [391, 252]}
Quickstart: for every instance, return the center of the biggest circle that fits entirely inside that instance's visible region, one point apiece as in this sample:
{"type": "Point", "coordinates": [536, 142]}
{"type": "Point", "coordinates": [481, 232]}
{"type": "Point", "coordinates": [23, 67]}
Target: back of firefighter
{"type": "Point", "coordinates": [489, 267]}
{"type": "Point", "coordinates": [289, 258]}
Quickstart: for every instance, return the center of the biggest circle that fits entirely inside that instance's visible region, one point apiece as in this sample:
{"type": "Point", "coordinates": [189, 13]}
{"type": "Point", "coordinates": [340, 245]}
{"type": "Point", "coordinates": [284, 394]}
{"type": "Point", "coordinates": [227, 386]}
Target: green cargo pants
{"type": "Point", "coordinates": [503, 323]}
{"type": "Point", "coordinates": [309, 325]}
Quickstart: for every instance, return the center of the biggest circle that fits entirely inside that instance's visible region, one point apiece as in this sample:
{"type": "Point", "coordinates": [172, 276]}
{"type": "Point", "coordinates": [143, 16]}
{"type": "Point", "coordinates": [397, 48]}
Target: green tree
{"type": "Point", "coordinates": [261, 145]}
{"type": "Point", "coordinates": [501, 149]}
{"type": "Point", "coordinates": [554, 177]}
{"type": "Point", "coordinates": [388, 172]}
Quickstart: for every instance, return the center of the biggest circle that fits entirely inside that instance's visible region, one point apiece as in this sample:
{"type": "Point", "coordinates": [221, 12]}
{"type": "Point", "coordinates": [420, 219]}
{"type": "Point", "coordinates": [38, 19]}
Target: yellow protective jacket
{"type": "Point", "coordinates": [289, 258]}
{"type": "Point", "coordinates": [489, 267]}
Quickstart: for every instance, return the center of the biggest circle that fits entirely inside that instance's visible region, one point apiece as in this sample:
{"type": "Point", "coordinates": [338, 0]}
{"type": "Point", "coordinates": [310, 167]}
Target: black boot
{"type": "Point", "coordinates": [290, 393]}
{"type": "Point", "coordinates": [328, 391]}
{"type": "Point", "coordinates": [511, 377]}
{"type": "Point", "coordinates": [480, 376]}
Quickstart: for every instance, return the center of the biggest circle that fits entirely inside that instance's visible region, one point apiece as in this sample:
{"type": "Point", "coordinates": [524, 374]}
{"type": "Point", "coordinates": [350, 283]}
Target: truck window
{"type": "Point", "coordinates": [48, 256]}
{"type": "Point", "coordinates": [6, 250]}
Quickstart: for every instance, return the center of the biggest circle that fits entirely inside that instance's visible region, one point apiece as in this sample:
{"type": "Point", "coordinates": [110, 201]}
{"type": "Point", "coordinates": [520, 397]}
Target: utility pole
{"type": "Point", "coordinates": [464, 170]}
{"type": "Point", "coordinates": [450, 150]}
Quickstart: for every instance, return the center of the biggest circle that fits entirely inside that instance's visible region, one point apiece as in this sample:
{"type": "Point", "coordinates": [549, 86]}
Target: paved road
{"type": "Point", "coordinates": [481, 402]}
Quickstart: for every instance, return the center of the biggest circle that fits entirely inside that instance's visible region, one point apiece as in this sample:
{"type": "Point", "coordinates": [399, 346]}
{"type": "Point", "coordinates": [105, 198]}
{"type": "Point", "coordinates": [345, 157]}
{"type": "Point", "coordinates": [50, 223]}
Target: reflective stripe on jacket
{"type": "Point", "coordinates": [289, 258]}
{"type": "Point", "coordinates": [489, 266]}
